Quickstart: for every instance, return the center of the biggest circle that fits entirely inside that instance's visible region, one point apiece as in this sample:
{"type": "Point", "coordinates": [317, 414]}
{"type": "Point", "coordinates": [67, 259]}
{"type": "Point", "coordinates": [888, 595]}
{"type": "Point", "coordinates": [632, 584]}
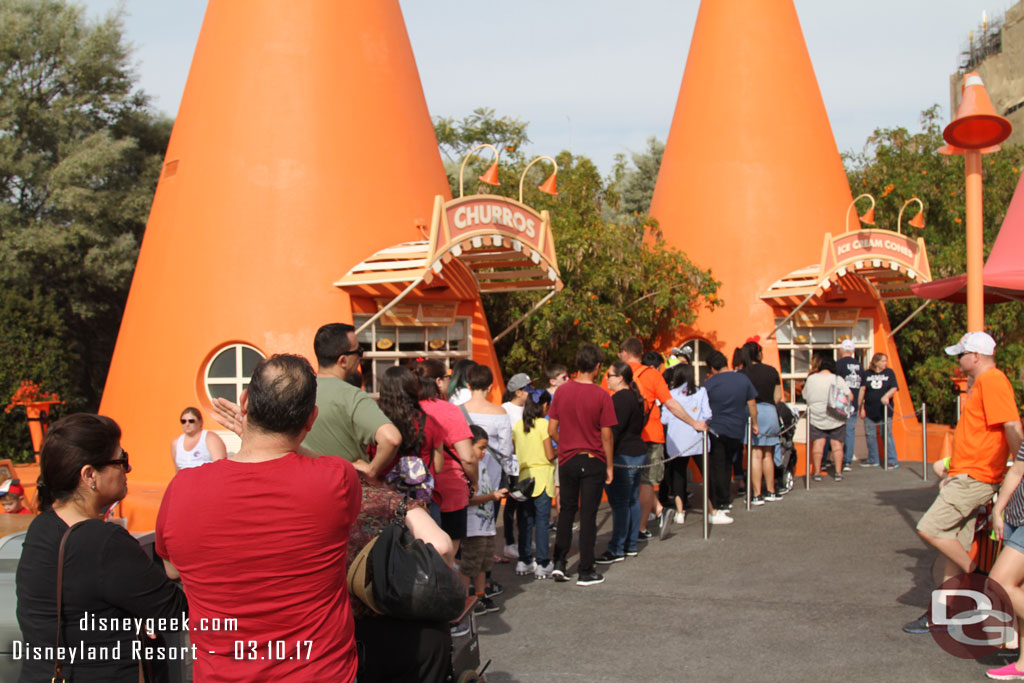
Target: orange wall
{"type": "Point", "coordinates": [303, 145]}
{"type": "Point", "coordinates": [751, 178]}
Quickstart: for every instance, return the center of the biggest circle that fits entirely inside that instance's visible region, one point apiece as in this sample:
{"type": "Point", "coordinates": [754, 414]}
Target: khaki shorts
{"type": "Point", "coordinates": [477, 555]}
{"type": "Point", "coordinates": [655, 471]}
{"type": "Point", "coordinates": [952, 515]}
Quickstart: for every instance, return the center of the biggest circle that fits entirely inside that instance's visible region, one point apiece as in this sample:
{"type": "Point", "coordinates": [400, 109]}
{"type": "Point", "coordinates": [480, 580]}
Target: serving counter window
{"type": "Point", "coordinates": [798, 344]}
{"type": "Point", "coordinates": [385, 346]}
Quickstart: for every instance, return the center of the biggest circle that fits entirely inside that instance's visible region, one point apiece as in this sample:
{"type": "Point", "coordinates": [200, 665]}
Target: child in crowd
{"type": "Point", "coordinates": [536, 456]}
{"type": "Point", "coordinates": [516, 393]}
{"type": "Point", "coordinates": [557, 376]}
{"type": "Point", "coordinates": [477, 547]}
{"type": "Point", "coordinates": [11, 492]}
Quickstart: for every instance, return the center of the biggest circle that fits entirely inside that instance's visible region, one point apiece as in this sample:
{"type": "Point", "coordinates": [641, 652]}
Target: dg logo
{"type": "Point", "coordinates": [971, 616]}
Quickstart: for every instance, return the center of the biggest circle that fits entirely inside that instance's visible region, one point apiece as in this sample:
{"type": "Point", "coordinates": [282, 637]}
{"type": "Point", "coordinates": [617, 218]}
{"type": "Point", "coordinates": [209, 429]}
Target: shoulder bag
{"type": "Point", "coordinates": [839, 405]}
{"type": "Point", "coordinates": [410, 579]}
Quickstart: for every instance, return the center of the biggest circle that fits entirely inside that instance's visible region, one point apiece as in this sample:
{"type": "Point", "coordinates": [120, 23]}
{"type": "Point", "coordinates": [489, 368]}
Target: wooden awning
{"type": "Point", "coordinates": [507, 246]}
{"type": "Point", "coordinates": [888, 263]}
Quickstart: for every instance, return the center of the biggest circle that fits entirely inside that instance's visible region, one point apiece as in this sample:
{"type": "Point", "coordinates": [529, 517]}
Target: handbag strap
{"type": "Point", "coordinates": [58, 665]}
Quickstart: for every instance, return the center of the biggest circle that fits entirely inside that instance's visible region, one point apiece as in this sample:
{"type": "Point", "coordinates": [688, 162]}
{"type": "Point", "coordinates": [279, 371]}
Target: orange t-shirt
{"type": "Point", "coordinates": [653, 388]}
{"type": "Point", "coordinates": [979, 443]}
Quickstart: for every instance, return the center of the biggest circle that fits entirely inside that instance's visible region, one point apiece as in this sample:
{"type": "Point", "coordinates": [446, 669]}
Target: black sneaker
{"type": "Point", "coordinates": [590, 578]}
{"type": "Point", "coordinates": [757, 500]}
{"type": "Point", "coordinates": [918, 626]}
{"type": "Point", "coordinates": [609, 558]}
{"type": "Point", "coordinates": [559, 573]}
{"type": "Point", "coordinates": [492, 589]}
{"type": "Point", "coordinates": [644, 535]}
{"type": "Point", "coordinates": [483, 606]}
{"type": "Point", "coordinates": [632, 553]}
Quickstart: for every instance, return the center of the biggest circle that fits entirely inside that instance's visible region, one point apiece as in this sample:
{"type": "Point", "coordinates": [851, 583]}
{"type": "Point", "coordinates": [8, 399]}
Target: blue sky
{"type": "Point", "coordinates": [600, 77]}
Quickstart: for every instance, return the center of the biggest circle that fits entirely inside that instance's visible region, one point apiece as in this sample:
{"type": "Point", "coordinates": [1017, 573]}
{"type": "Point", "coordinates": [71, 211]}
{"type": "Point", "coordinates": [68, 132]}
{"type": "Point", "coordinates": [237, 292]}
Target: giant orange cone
{"type": "Point", "coordinates": [751, 179]}
{"type": "Point", "coordinates": [302, 146]}
{"type": "Point", "coordinates": [976, 125]}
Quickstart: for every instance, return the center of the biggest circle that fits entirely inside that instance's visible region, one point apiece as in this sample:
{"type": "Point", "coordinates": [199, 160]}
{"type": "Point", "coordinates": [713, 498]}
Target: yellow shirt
{"type": "Point", "coordinates": [533, 461]}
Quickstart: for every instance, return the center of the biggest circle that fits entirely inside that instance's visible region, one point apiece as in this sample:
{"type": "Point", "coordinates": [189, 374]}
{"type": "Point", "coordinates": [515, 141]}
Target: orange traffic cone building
{"type": "Point", "coordinates": [752, 186]}
{"type": "Point", "coordinates": [303, 145]}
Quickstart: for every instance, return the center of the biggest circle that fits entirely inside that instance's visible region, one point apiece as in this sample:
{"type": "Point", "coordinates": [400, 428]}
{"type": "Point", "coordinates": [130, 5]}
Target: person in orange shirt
{"type": "Point", "coordinates": [654, 391]}
{"type": "Point", "coordinates": [989, 431]}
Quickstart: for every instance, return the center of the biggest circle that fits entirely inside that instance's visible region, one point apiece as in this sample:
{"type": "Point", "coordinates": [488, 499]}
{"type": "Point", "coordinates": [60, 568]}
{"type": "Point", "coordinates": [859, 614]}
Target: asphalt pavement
{"type": "Point", "coordinates": [815, 587]}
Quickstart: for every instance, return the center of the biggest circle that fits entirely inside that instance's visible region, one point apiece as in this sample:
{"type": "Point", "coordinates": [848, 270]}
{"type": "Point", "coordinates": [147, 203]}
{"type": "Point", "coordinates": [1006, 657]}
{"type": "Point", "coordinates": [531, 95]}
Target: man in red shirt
{"type": "Point", "coordinates": [580, 419]}
{"type": "Point", "coordinates": [260, 539]}
{"type": "Point", "coordinates": [654, 390]}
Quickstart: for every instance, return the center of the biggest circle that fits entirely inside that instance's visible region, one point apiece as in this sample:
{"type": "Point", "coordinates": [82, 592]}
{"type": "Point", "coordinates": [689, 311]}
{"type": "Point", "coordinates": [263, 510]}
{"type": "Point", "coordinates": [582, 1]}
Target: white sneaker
{"type": "Point", "coordinates": [512, 552]}
{"type": "Point", "coordinates": [523, 568]}
{"type": "Point", "coordinates": [680, 517]}
{"type": "Point", "coordinates": [720, 517]}
{"type": "Point", "coordinates": [543, 572]}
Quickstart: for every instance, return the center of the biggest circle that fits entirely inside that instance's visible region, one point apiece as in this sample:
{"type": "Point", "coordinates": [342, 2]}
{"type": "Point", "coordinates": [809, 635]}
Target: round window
{"type": "Point", "coordinates": [228, 372]}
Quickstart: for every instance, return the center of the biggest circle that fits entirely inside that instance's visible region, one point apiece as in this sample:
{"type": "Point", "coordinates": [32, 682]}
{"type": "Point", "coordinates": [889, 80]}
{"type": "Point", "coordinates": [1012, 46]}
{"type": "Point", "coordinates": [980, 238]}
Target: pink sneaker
{"type": "Point", "coordinates": [1010, 672]}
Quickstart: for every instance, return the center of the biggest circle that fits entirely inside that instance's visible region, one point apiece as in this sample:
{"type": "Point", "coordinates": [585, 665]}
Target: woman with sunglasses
{"type": "Point", "coordinates": [195, 446]}
{"type": "Point", "coordinates": [108, 580]}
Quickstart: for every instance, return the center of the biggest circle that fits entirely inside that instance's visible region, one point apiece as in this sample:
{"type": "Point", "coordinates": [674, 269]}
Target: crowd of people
{"type": "Point", "coordinates": [337, 467]}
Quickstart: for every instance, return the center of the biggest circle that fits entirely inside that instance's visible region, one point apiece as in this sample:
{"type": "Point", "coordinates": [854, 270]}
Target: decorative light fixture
{"type": "Point", "coordinates": [917, 221]}
{"type": "Point", "coordinates": [869, 216]}
{"type": "Point", "coordinates": [549, 186]}
{"type": "Point", "coordinates": [490, 176]}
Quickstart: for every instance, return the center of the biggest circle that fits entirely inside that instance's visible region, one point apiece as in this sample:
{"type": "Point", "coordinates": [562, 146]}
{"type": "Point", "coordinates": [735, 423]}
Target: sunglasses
{"type": "Point", "coordinates": [612, 375]}
{"type": "Point", "coordinates": [121, 462]}
{"type": "Point", "coordinates": [358, 351]}
{"type": "Point", "coordinates": [188, 420]}
{"type": "Point", "coordinates": [961, 355]}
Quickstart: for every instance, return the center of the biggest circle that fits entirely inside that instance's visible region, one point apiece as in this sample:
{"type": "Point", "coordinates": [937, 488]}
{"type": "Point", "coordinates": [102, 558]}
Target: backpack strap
{"type": "Point", "coordinates": [58, 665]}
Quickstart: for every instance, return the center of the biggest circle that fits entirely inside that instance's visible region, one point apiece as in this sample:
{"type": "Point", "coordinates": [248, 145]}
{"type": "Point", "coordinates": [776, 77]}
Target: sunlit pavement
{"type": "Point", "coordinates": [813, 588]}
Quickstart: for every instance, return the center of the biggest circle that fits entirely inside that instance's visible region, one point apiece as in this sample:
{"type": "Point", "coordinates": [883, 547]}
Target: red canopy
{"type": "Point", "coordinates": [1003, 275]}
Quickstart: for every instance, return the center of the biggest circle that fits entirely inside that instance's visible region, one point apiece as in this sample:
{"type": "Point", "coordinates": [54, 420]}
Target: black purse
{"type": "Point", "coordinates": [410, 579]}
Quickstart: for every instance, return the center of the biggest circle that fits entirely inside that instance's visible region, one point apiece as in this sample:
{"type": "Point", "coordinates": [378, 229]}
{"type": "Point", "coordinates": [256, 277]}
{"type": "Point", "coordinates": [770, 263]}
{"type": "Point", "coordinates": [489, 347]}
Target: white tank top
{"type": "Point", "coordinates": [198, 455]}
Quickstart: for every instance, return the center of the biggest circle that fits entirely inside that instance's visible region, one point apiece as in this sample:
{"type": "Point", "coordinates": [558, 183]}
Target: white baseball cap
{"type": "Point", "coordinates": [974, 342]}
{"type": "Point", "coordinates": [847, 345]}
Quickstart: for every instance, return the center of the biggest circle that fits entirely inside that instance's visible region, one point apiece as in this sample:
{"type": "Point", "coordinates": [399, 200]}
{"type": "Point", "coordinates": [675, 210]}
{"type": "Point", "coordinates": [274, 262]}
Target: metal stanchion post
{"type": "Point", "coordinates": [704, 471]}
{"type": "Point", "coordinates": [807, 452]}
{"type": "Point", "coordinates": [924, 441]}
{"type": "Point", "coordinates": [750, 488]}
{"type": "Point", "coordinates": [885, 438]}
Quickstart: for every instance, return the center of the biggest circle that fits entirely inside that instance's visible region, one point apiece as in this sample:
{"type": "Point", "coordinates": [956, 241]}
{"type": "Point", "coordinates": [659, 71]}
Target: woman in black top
{"type": "Point", "coordinates": [630, 455]}
{"type": "Point", "coordinates": [766, 382]}
{"type": "Point", "coordinates": [108, 578]}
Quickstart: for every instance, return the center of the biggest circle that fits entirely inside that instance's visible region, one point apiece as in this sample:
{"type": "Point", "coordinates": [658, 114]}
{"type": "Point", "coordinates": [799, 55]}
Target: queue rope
{"type": "Point", "coordinates": [783, 431]}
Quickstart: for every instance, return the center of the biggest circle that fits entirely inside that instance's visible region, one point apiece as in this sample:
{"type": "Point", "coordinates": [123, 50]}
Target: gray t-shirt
{"type": "Point", "coordinates": [347, 422]}
{"type": "Point", "coordinates": [816, 396]}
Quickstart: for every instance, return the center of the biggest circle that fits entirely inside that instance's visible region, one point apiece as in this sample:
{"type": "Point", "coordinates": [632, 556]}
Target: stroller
{"type": "Point", "coordinates": [785, 454]}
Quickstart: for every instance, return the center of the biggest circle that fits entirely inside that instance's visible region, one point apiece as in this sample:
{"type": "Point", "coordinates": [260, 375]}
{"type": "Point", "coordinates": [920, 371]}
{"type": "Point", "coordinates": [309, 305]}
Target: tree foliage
{"type": "Point", "coordinates": [80, 153]}
{"type": "Point", "coordinates": [897, 165]}
{"type": "Point", "coordinates": [620, 278]}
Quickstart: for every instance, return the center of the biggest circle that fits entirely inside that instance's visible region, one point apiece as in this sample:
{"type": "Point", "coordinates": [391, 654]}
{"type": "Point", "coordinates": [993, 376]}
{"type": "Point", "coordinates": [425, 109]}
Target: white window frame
{"type": "Point", "coordinates": [790, 380]}
{"type": "Point", "coordinates": [447, 356]}
{"type": "Point", "coordinates": [238, 381]}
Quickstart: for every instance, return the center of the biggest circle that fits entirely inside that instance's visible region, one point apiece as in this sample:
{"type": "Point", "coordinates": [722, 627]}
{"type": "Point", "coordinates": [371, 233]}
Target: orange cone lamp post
{"type": "Point", "coordinates": [976, 130]}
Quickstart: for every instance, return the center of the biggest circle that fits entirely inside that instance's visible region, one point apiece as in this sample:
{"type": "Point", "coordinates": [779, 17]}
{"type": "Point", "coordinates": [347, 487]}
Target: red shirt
{"type": "Point", "coordinates": [265, 543]}
{"type": "Point", "coordinates": [451, 487]}
{"type": "Point", "coordinates": [581, 410]}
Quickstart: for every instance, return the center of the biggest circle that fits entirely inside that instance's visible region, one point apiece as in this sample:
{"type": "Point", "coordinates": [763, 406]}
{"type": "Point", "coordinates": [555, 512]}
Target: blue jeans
{"type": "Point", "coordinates": [535, 513]}
{"type": "Point", "coordinates": [871, 429]}
{"type": "Point", "coordinates": [851, 434]}
{"type": "Point", "coordinates": [622, 496]}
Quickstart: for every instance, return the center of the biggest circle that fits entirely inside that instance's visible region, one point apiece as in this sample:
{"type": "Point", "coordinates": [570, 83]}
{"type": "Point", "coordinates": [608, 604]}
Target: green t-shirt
{"type": "Point", "coordinates": [347, 422]}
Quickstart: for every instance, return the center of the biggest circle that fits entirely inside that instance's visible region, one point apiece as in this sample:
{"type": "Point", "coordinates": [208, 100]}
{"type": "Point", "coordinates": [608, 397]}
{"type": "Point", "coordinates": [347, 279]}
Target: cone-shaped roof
{"type": "Point", "coordinates": [1003, 275]}
{"type": "Point", "coordinates": [751, 178]}
{"type": "Point", "coordinates": [302, 145]}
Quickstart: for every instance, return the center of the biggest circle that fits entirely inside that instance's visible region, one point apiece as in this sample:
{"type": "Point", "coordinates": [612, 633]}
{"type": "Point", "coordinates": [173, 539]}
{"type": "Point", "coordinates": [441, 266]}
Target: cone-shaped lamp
{"type": "Point", "coordinates": [869, 217]}
{"type": "Point", "coordinates": [550, 185]}
{"type": "Point", "coordinates": [490, 176]}
{"type": "Point", "coordinates": [918, 220]}
{"type": "Point", "coordinates": [976, 124]}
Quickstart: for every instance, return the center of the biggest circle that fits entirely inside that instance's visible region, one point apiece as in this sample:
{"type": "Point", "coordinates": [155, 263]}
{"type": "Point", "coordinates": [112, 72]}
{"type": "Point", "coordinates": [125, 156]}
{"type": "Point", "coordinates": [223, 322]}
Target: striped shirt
{"type": "Point", "coordinates": [1014, 512]}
